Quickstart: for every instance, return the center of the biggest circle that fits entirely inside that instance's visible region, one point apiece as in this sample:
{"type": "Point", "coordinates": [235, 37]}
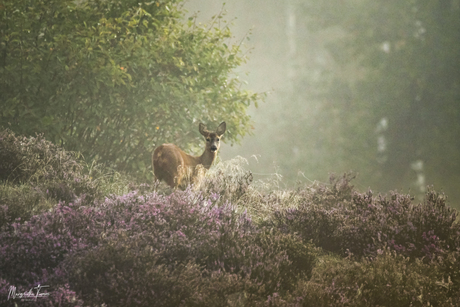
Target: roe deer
{"type": "Point", "coordinates": [177, 168]}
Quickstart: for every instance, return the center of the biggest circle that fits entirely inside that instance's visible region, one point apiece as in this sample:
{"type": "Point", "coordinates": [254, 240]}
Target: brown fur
{"type": "Point", "coordinates": [176, 168]}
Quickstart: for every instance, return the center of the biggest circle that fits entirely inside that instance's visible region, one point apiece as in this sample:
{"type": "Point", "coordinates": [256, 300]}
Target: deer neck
{"type": "Point", "coordinates": [207, 158]}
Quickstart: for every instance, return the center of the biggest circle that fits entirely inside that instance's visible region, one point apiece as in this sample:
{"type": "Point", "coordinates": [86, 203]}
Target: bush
{"type": "Point", "coordinates": [36, 174]}
{"type": "Point", "coordinates": [38, 162]}
{"type": "Point", "coordinates": [227, 179]}
{"type": "Point", "coordinates": [196, 248]}
{"type": "Point", "coordinates": [342, 220]}
{"type": "Point", "coordinates": [22, 201]}
{"type": "Point", "coordinates": [387, 280]}
{"type": "Point", "coordinates": [232, 182]}
{"type": "Point", "coordinates": [112, 79]}
{"type": "Point", "coordinates": [152, 249]}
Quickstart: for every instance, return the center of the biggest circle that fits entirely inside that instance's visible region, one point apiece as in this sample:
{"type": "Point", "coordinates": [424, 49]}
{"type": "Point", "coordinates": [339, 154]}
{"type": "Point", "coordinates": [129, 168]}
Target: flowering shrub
{"type": "Point", "coordinates": [228, 241]}
{"type": "Point", "coordinates": [35, 159]}
{"type": "Point", "coordinates": [228, 179]}
{"type": "Point", "coordinates": [22, 201]}
{"type": "Point", "coordinates": [35, 174]}
{"type": "Point", "coordinates": [153, 249]}
{"type": "Point", "coordinates": [387, 280]}
{"type": "Point", "coordinates": [342, 220]}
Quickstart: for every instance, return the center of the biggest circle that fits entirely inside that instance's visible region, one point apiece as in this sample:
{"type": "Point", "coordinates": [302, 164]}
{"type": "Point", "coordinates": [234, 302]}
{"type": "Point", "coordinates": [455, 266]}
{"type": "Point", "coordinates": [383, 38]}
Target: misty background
{"type": "Point", "coordinates": [371, 87]}
{"type": "Point", "coordinates": [363, 86]}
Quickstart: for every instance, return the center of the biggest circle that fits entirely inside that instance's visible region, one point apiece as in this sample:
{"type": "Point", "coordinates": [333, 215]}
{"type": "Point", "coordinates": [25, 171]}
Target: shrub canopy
{"type": "Point", "coordinates": [113, 79]}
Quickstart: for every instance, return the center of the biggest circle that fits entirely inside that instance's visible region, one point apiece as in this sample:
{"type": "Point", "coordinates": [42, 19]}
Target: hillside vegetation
{"type": "Point", "coordinates": [114, 79]}
{"type": "Point", "coordinates": [99, 238]}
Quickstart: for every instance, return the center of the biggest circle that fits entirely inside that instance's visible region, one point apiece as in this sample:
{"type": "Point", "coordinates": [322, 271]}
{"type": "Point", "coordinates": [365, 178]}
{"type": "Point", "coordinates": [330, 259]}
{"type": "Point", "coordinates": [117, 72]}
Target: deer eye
{"type": "Point", "coordinates": [208, 140]}
{"type": "Point", "coordinates": [217, 140]}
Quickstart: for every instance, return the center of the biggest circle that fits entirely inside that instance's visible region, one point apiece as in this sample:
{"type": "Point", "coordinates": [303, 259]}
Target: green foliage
{"type": "Point", "coordinates": [36, 174]}
{"type": "Point", "coordinates": [388, 280]}
{"type": "Point", "coordinates": [113, 79]}
{"type": "Point", "coordinates": [22, 201]}
{"type": "Point", "coordinates": [363, 61]}
{"type": "Point", "coordinates": [408, 54]}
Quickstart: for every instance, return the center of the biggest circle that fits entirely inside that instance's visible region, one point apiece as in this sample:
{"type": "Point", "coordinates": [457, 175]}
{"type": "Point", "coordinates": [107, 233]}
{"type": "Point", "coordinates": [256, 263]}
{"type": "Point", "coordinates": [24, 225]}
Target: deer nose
{"type": "Point", "coordinates": [213, 148]}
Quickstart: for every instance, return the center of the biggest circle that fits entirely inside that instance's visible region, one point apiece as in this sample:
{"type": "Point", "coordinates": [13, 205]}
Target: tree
{"type": "Point", "coordinates": [113, 79]}
{"type": "Point", "coordinates": [386, 102]}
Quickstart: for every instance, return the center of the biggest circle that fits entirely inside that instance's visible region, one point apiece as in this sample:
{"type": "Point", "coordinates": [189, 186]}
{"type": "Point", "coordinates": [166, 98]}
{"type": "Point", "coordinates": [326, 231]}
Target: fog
{"type": "Point", "coordinates": [357, 86]}
{"type": "Point", "coordinates": [263, 26]}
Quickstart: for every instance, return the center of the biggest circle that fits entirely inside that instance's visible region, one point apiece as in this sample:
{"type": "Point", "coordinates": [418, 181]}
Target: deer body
{"type": "Point", "coordinates": [172, 165]}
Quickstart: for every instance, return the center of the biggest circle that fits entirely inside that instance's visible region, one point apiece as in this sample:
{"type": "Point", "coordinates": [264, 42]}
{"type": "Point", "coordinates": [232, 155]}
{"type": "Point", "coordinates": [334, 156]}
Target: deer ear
{"type": "Point", "coordinates": [221, 129]}
{"type": "Point", "coordinates": [202, 129]}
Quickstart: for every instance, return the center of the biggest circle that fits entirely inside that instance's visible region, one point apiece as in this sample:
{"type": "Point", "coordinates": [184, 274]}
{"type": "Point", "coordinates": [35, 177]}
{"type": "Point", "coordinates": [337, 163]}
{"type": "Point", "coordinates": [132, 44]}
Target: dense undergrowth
{"type": "Point", "coordinates": [98, 238]}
